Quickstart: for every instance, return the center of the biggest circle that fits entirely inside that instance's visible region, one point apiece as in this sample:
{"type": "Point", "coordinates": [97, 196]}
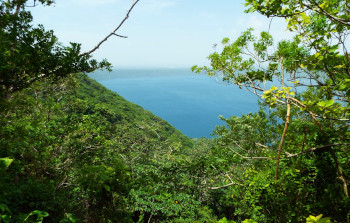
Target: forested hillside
{"type": "Point", "coordinates": [76, 147]}
{"type": "Point", "coordinates": [73, 151]}
{"type": "Point", "coordinates": [77, 152]}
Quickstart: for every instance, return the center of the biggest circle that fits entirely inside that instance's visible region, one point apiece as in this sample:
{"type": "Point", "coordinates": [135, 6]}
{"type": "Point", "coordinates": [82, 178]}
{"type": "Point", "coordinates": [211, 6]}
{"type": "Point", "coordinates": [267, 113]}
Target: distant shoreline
{"type": "Point", "coordinates": [190, 102]}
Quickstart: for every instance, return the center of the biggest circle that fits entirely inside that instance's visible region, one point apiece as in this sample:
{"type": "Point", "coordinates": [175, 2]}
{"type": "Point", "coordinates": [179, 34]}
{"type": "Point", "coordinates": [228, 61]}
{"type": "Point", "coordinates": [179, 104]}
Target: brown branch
{"type": "Point", "coordinates": [227, 185]}
{"type": "Point", "coordinates": [282, 139]}
{"type": "Point", "coordinates": [334, 156]}
{"type": "Point", "coordinates": [331, 17]}
{"type": "Point", "coordinates": [113, 33]}
{"type": "Point", "coordinates": [290, 155]}
{"type": "Point", "coordinates": [149, 219]}
{"type": "Point", "coordinates": [18, 8]}
{"type": "Point", "coordinates": [317, 148]}
{"type": "Point", "coordinates": [300, 104]}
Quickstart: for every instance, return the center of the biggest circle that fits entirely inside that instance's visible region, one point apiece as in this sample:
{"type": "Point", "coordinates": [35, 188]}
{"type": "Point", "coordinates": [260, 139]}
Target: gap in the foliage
{"type": "Point", "coordinates": [188, 101]}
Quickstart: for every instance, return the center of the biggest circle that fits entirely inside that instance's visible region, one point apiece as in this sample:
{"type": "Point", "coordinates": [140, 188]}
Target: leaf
{"type": "Point", "coordinates": [107, 187]}
{"type": "Point", "coordinates": [249, 221]}
{"type": "Point", "coordinates": [273, 88]}
{"type": "Point", "coordinates": [225, 40]}
{"type": "Point", "coordinates": [5, 218]}
{"type": "Point", "coordinates": [250, 10]}
{"type": "Point", "coordinates": [321, 104]}
{"type": "Point", "coordinates": [311, 219]}
{"type": "Point", "coordinates": [295, 82]}
{"type": "Point", "coordinates": [329, 103]}
{"type": "Point", "coordinates": [40, 213]}
{"type": "Point", "coordinates": [319, 217]}
{"type": "Point", "coordinates": [4, 209]}
{"type": "Point", "coordinates": [70, 218]}
{"type": "Point", "coordinates": [40, 216]}
{"type": "Point", "coordinates": [5, 163]}
{"type": "Point", "coordinates": [340, 66]}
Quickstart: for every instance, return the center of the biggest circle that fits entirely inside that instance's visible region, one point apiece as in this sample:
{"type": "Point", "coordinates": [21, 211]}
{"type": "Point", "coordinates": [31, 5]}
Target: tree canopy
{"type": "Point", "coordinates": [73, 151]}
{"type": "Point", "coordinates": [304, 83]}
{"type": "Point", "coordinates": [32, 53]}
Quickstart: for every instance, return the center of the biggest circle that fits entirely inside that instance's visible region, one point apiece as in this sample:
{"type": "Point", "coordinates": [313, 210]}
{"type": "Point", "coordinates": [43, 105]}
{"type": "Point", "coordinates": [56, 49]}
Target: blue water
{"type": "Point", "coordinates": [190, 102]}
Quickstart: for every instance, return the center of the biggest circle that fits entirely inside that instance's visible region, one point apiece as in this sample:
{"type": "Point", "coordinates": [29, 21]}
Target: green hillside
{"type": "Point", "coordinates": [73, 151]}
{"type": "Point", "coordinates": [121, 111]}
{"type": "Point", "coordinates": [79, 148]}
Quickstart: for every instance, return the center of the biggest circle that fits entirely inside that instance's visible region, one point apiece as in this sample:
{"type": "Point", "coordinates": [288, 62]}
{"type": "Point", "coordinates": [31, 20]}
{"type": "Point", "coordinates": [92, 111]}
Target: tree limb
{"type": "Point", "coordinates": [249, 157]}
{"type": "Point", "coordinates": [316, 148]}
{"type": "Point", "coordinates": [332, 17]}
{"type": "Point", "coordinates": [268, 147]}
{"type": "Point", "coordinates": [113, 33]}
{"type": "Point", "coordinates": [282, 139]}
{"type": "Point", "coordinates": [227, 185]}
{"type": "Point", "coordinates": [334, 156]}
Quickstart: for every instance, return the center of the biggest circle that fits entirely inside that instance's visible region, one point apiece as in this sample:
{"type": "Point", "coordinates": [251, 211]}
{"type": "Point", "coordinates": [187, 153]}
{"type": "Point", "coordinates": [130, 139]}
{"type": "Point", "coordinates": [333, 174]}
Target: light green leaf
{"type": "Point", "coordinates": [321, 104]}
{"type": "Point", "coordinates": [225, 40]}
{"type": "Point", "coordinates": [5, 163]}
{"type": "Point", "coordinates": [329, 103]}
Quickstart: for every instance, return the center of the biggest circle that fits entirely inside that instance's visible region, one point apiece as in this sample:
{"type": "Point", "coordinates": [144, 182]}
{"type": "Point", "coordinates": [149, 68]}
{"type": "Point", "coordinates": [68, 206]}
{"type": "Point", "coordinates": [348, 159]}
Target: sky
{"type": "Point", "coordinates": [161, 33]}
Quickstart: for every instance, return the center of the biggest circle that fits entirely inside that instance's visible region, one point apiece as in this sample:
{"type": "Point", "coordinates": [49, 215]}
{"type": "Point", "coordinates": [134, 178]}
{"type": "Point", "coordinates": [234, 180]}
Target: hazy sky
{"type": "Point", "coordinates": [161, 33]}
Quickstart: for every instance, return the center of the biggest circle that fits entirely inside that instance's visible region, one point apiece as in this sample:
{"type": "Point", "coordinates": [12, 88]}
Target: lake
{"type": "Point", "coordinates": [190, 102]}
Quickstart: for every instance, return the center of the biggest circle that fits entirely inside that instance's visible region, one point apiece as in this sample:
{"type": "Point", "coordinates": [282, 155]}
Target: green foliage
{"type": "Point", "coordinates": [313, 219]}
{"type": "Point", "coordinates": [69, 218]}
{"type": "Point", "coordinates": [224, 220]}
{"type": "Point", "coordinates": [310, 73]}
{"type": "Point", "coordinates": [81, 153]}
{"type": "Point", "coordinates": [78, 144]}
{"type": "Point", "coordinates": [40, 215]}
{"type": "Point", "coordinates": [5, 163]}
{"type": "Point", "coordinates": [30, 54]}
{"type": "Point", "coordinates": [33, 217]}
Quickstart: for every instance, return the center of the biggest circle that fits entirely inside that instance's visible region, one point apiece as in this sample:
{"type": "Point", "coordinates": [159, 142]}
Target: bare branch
{"type": "Point", "coordinates": [300, 104]}
{"type": "Point", "coordinates": [227, 185]}
{"type": "Point", "coordinates": [317, 148]}
{"type": "Point", "coordinates": [267, 147]}
{"type": "Point", "coordinates": [120, 35]}
{"type": "Point", "coordinates": [334, 156]}
{"type": "Point", "coordinates": [113, 33]}
{"type": "Point", "coordinates": [249, 157]}
{"type": "Point", "coordinates": [282, 139]}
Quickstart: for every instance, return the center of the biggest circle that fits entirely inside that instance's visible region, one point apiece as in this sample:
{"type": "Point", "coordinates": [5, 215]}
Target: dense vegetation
{"type": "Point", "coordinates": [73, 151]}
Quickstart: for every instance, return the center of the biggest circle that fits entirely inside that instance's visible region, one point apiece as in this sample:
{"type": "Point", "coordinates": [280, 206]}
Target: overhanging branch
{"type": "Point", "coordinates": [113, 33]}
{"type": "Point", "coordinates": [317, 148]}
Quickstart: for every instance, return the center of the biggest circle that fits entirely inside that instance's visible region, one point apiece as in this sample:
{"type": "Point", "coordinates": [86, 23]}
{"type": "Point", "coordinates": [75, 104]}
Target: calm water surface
{"type": "Point", "coordinates": [190, 102]}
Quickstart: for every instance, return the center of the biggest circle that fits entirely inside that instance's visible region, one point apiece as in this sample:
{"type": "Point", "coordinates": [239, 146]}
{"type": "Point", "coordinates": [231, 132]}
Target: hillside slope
{"type": "Point", "coordinates": [78, 149]}
{"type": "Point", "coordinates": [98, 96]}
